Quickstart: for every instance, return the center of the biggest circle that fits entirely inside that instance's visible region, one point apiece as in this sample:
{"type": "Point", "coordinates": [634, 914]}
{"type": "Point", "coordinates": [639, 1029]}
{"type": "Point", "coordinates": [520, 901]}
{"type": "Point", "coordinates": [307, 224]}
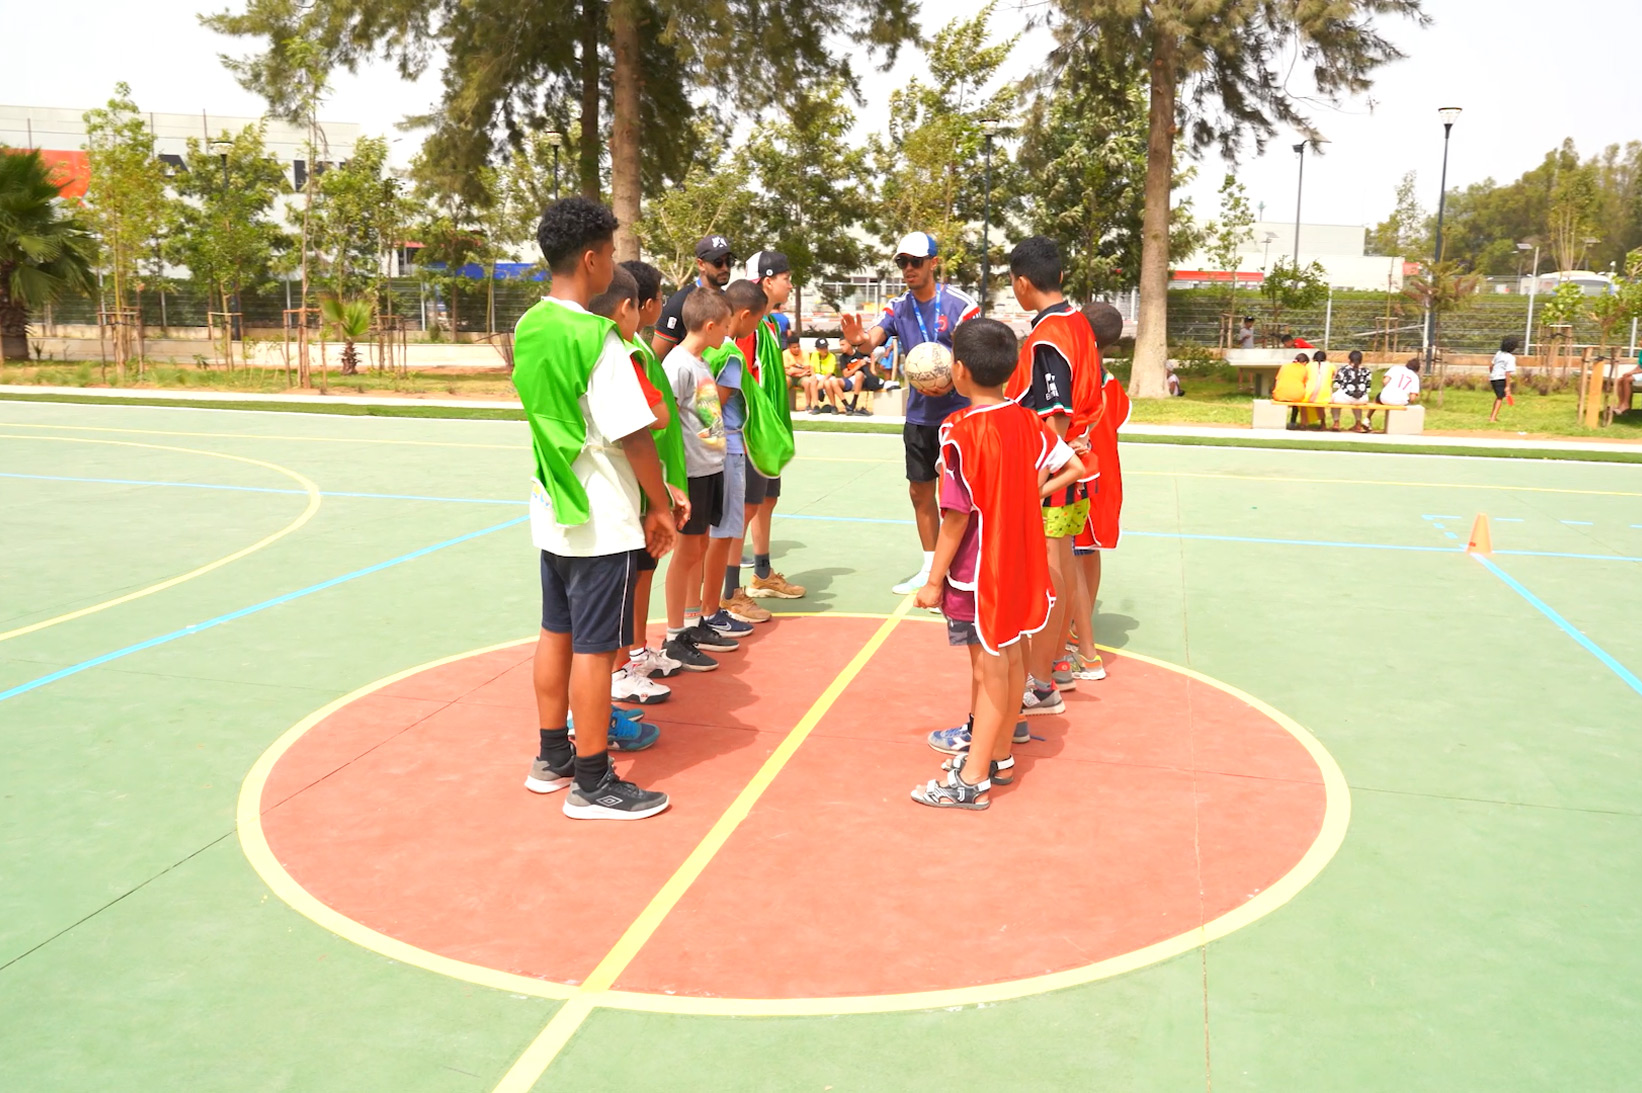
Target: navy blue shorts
{"type": "Point", "coordinates": [591, 599]}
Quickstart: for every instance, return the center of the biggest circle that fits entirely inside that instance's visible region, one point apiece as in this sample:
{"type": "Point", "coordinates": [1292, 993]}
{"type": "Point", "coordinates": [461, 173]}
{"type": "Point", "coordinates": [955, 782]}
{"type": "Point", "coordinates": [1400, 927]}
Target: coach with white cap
{"type": "Point", "coordinates": [928, 312]}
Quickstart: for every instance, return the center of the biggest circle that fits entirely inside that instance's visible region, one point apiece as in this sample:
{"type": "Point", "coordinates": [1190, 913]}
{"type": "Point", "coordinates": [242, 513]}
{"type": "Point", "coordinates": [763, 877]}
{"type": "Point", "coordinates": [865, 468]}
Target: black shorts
{"type": "Point", "coordinates": [706, 504]}
{"type": "Point", "coordinates": [1499, 388]}
{"type": "Point", "coordinates": [645, 561]}
{"type": "Point", "coordinates": [923, 445]}
{"type": "Point", "coordinates": [760, 488]}
{"type": "Point", "coordinates": [869, 381]}
{"type": "Point", "coordinates": [591, 599]}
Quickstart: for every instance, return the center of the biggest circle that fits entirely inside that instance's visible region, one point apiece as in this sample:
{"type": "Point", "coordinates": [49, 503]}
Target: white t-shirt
{"type": "Point", "coordinates": [1245, 337]}
{"type": "Point", "coordinates": [613, 407]}
{"type": "Point", "coordinates": [1504, 364]}
{"type": "Point", "coordinates": [1401, 383]}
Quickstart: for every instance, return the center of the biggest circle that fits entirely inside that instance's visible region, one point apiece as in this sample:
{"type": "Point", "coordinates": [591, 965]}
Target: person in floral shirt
{"type": "Point", "coordinates": [1351, 389]}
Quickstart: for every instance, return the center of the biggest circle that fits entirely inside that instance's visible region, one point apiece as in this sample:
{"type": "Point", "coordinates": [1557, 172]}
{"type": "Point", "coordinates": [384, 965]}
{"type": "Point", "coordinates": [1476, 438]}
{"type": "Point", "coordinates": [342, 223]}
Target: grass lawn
{"type": "Point", "coordinates": [443, 383]}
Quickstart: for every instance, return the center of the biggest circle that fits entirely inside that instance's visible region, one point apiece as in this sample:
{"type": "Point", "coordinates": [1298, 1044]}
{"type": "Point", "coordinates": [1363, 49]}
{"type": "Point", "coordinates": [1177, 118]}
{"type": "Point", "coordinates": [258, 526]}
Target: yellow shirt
{"type": "Point", "coordinates": [1290, 385]}
{"type": "Point", "coordinates": [824, 364]}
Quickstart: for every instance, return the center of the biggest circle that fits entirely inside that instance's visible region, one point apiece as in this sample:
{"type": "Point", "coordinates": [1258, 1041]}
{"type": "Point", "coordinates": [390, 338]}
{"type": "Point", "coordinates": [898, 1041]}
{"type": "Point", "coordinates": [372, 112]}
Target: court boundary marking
{"type": "Point", "coordinates": [309, 487]}
{"type": "Point", "coordinates": [596, 993]}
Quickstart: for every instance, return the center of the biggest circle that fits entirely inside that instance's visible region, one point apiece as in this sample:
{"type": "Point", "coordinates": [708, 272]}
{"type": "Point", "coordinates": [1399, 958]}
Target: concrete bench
{"type": "Point", "coordinates": [1399, 420]}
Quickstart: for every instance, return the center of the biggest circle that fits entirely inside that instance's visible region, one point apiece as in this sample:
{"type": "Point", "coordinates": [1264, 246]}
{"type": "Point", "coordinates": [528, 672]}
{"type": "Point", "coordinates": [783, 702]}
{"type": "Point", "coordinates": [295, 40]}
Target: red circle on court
{"type": "Point", "coordinates": [1156, 804]}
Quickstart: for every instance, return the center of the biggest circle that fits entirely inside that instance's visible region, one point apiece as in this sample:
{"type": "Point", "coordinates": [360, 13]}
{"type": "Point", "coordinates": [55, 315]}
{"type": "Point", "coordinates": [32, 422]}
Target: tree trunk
{"type": "Point", "coordinates": [1149, 377]}
{"type": "Point", "coordinates": [588, 141]}
{"type": "Point", "coordinates": [626, 80]}
{"type": "Point", "coordinates": [14, 325]}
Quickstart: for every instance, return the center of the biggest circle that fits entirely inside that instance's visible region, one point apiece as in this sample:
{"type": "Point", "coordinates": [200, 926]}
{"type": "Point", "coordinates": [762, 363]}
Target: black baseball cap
{"type": "Point", "coordinates": [714, 248]}
{"type": "Point", "coordinates": [767, 263]}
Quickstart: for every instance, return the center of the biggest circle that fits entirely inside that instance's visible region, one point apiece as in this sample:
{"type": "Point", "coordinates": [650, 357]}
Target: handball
{"type": "Point", "coordinates": [928, 368]}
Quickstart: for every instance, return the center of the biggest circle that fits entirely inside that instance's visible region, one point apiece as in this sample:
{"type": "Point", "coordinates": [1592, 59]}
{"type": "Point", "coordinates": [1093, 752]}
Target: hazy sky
{"type": "Point", "coordinates": [1527, 74]}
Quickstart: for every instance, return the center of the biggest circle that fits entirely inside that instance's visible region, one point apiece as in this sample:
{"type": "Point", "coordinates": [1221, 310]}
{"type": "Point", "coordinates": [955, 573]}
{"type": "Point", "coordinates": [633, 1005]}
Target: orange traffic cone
{"type": "Point", "coordinates": [1481, 541]}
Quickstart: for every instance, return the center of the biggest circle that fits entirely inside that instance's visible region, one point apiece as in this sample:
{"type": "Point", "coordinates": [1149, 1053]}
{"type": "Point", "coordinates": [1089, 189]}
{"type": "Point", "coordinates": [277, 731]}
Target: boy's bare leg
{"type": "Point", "coordinates": [1016, 656]}
{"type": "Point", "coordinates": [1083, 605]}
{"type": "Point", "coordinates": [712, 574]}
{"type": "Point", "coordinates": [995, 709]}
{"type": "Point", "coordinates": [760, 523]}
{"type": "Point", "coordinates": [573, 683]}
{"type": "Point", "coordinates": [1045, 644]}
{"type": "Point", "coordinates": [683, 575]}
{"type": "Point", "coordinates": [641, 608]}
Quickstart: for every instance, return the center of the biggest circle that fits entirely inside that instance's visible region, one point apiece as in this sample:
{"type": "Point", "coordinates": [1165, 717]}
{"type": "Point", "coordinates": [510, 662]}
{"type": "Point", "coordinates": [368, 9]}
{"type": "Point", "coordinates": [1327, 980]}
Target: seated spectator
{"type": "Point", "coordinates": [1173, 381]}
{"type": "Point", "coordinates": [860, 374]}
{"type": "Point", "coordinates": [793, 361]}
{"type": "Point", "coordinates": [1400, 387]}
{"type": "Point", "coordinates": [1290, 385]}
{"type": "Point", "coordinates": [818, 385]}
{"type": "Point", "coordinates": [1290, 341]}
{"type": "Point", "coordinates": [1624, 386]}
{"type": "Point", "coordinates": [1319, 388]}
{"type": "Point", "coordinates": [1351, 389]}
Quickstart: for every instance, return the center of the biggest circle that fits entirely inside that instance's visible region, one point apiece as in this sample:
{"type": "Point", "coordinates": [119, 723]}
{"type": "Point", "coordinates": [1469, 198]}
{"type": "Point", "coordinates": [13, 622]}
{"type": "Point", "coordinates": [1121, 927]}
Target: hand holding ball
{"type": "Point", "coordinates": [928, 367]}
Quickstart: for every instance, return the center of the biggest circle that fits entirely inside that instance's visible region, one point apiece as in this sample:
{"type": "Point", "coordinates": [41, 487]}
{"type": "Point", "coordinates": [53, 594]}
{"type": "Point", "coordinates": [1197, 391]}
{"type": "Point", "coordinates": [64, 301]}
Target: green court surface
{"type": "Point", "coordinates": [182, 587]}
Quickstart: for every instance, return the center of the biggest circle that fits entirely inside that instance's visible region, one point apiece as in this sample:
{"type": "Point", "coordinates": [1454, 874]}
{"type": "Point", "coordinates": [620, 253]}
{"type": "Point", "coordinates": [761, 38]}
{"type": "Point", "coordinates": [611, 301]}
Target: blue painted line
{"type": "Point", "coordinates": [1557, 554]}
{"type": "Point", "coordinates": [1450, 534]}
{"type": "Point", "coordinates": [1438, 516]}
{"type": "Point", "coordinates": [1441, 527]}
{"type": "Point", "coordinates": [840, 519]}
{"type": "Point", "coordinates": [1288, 542]}
{"type": "Point", "coordinates": [287, 597]}
{"type": "Point", "coordinates": [1507, 519]}
{"type": "Point", "coordinates": [1564, 625]}
{"type": "Point", "coordinates": [1576, 523]}
{"type": "Point", "coordinates": [260, 489]}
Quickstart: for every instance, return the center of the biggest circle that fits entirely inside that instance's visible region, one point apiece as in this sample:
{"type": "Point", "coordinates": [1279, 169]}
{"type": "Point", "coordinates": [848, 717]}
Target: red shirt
{"type": "Point", "coordinates": [1301, 343]}
{"type": "Point", "coordinates": [651, 396]}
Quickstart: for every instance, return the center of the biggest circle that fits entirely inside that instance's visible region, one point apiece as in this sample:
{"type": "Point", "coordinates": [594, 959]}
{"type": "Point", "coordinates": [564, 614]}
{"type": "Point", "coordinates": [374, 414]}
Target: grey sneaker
{"type": "Point", "coordinates": [1039, 701]}
{"type": "Point", "coordinates": [613, 799]}
{"type": "Point", "coordinates": [547, 778]}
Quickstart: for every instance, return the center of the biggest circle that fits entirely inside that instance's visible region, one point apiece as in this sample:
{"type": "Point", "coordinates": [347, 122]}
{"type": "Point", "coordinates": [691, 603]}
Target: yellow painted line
{"type": "Point", "coordinates": [254, 842]}
{"type": "Point", "coordinates": [546, 1047]}
{"type": "Point", "coordinates": [1376, 482]}
{"type": "Point", "coordinates": [265, 436]}
{"type": "Point", "coordinates": [302, 518]}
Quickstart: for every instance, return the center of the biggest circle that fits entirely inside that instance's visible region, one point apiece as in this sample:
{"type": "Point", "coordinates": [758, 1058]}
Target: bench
{"type": "Point", "coordinates": [1399, 420]}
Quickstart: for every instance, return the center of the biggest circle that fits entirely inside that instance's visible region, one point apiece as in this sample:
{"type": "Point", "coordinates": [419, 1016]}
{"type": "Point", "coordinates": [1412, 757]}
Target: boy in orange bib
{"type": "Point", "coordinates": [990, 574]}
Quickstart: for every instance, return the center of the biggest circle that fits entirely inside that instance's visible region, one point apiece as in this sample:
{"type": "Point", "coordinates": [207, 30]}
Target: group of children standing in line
{"type": "Point", "coordinates": [638, 454]}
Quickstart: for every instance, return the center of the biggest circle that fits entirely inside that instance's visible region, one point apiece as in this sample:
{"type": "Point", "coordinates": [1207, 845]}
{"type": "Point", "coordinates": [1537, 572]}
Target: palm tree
{"type": "Point", "coordinates": [350, 320]}
{"type": "Point", "coordinates": [44, 249]}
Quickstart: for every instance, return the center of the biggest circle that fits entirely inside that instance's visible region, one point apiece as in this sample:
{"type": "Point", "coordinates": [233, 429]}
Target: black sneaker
{"type": "Point", "coordinates": [613, 799]}
{"type": "Point", "coordinates": [705, 637]}
{"type": "Point", "coordinates": [546, 778]}
{"type": "Point", "coordinates": [685, 652]}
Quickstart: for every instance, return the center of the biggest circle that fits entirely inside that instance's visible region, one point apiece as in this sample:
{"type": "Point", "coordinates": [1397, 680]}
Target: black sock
{"type": "Point", "coordinates": [732, 579]}
{"type": "Point", "coordinates": [591, 769]}
{"type": "Point", "coordinates": [761, 566]}
{"type": "Point", "coordinates": [555, 746]}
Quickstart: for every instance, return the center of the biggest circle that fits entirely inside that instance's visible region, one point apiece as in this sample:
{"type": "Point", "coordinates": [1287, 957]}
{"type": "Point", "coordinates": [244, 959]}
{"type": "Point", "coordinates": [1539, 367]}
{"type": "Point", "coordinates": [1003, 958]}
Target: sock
{"type": "Point", "coordinates": [555, 746]}
{"type": "Point", "coordinates": [732, 580]}
{"type": "Point", "coordinates": [761, 566]}
{"type": "Point", "coordinates": [692, 617]}
{"type": "Point", "coordinates": [675, 631]}
{"type": "Point", "coordinates": [929, 561]}
{"type": "Point", "coordinates": [591, 769]}
{"type": "Point", "coordinates": [637, 651]}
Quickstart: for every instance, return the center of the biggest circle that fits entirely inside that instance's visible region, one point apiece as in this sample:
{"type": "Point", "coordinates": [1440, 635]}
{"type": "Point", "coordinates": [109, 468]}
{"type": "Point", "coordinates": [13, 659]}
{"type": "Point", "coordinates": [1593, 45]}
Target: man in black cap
{"type": "Point", "coordinates": [714, 260]}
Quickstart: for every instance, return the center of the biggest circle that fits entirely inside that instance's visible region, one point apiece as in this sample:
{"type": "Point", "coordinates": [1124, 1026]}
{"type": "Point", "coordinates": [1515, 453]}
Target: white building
{"type": "Point", "coordinates": [1339, 248]}
{"type": "Point", "coordinates": [60, 135]}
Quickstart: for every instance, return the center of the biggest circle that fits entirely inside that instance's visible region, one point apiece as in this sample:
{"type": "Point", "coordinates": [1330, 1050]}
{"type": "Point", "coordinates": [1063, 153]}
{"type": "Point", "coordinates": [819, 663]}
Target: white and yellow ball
{"type": "Point", "coordinates": [928, 367]}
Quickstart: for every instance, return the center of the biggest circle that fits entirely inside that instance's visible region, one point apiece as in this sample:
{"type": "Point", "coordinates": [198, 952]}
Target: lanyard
{"type": "Point", "coordinates": [918, 312]}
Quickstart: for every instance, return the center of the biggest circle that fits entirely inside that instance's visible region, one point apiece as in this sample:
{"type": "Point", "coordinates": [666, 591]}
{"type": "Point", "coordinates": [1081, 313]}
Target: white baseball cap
{"type": "Point", "coordinates": [918, 245]}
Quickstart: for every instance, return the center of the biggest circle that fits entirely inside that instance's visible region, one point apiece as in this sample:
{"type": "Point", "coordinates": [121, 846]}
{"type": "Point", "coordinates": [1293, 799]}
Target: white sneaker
{"type": "Point", "coordinates": [912, 583]}
{"type": "Point", "coordinates": [654, 662]}
{"type": "Point", "coordinates": [626, 686]}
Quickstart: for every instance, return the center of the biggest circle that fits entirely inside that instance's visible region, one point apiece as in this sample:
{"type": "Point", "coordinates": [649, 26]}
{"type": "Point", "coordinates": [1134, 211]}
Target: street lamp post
{"type": "Point", "coordinates": [1533, 290]}
{"type": "Point", "coordinates": [1449, 115]}
{"type": "Point", "coordinates": [222, 148]}
{"type": "Point", "coordinates": [1299, 191]}
{"type": "Point", "coordinates": [555, 138]}
{"type": "Point", "coordinates": [990, 128]}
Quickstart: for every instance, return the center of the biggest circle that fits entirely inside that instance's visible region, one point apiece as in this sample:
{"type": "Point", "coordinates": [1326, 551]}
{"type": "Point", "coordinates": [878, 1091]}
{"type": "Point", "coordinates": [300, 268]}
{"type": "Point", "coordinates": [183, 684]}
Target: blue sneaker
{"type": "Point", "coordinates": [627, 732]}
{"type": "Point", "coordinates": [955, 741]}
{"type": "Point", "coordinates": [727, 624]}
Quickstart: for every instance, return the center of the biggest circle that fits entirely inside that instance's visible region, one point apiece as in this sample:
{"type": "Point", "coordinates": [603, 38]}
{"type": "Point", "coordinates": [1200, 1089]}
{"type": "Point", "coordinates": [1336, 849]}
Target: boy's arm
{"type": "Point", "coordinates": [947, 542]}
{"type": "Point", "coordinates": [1071, 471]}
{"type": "Point", "coordinates": [640, 450]}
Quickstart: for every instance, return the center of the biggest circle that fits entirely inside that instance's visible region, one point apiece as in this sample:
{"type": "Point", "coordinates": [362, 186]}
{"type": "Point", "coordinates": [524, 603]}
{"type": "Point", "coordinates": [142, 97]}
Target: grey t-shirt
{"type": "Point", "coordinates": [700, 415]}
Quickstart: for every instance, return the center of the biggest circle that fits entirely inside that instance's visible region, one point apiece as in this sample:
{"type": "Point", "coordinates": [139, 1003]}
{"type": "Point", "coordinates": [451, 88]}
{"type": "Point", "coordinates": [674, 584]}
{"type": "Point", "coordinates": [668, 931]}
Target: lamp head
{"type": "Point", "coordinates": [222, 147]}
{"type": "Point", "coordinates": [991, 126]}
{"type": "Point", "coordinates": [555, 138]}
{"type": "Point", "coordinates": [1449, 115]}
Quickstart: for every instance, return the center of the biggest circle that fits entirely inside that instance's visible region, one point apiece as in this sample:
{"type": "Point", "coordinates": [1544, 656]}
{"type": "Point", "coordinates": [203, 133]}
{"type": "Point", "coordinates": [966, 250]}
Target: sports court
{"type": "Point", "coordinates": [1355, 809]}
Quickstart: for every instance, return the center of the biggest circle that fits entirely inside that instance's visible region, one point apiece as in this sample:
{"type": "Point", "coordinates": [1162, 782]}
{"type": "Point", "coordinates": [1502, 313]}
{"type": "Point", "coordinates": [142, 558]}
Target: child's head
{"type": "Point", "coordinates": [1034, 270]}
{"type": "Point", "coordinates": [707, 316]}
{"type": "Point", "coordinates": [1355, 357]}
{"type": "Point", "coordinates": [792, 342]}
{"type": "Point", "coordinates": [1107, 323]}
{"type": "Point", "coordinates": [577, 237]}
{"type": "Point", "coordinates": [648, 278]}
{"type": "Point", "coordinates": [983, 356]}
{"type": "Point", "coordinates": [619, 303]}
{"type": "Point", "coordinates": [771, 271]}
{"type": "Point", "coordinates": [747, 304]}
{"type": "Point", "coordinates": [1319, 357]}
{"type": "Point", "coordinates": [1301, 358]}
{"type": "Point", "coordinates": [1413, 364]}
{"type": "Point", "coordinates": [1509, 344]}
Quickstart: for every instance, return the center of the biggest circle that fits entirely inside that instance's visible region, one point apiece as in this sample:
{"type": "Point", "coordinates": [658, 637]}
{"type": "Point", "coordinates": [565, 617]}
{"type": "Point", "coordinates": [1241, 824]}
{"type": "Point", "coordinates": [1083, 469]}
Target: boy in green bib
{"type": "Point", "coordinates": [596, 499]}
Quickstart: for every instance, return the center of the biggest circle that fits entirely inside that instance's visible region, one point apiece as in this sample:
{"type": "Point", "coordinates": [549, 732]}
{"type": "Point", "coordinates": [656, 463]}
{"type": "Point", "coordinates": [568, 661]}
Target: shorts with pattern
{"type": "Point", "coordinates": [1065, 520]}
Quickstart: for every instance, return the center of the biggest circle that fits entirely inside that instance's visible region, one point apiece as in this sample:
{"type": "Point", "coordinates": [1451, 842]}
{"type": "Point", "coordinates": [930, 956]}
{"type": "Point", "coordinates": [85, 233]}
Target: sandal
{"type": "Point", "coordinates": [1002, 772]}
{"type": "Point", "coordinates": [953, 793]}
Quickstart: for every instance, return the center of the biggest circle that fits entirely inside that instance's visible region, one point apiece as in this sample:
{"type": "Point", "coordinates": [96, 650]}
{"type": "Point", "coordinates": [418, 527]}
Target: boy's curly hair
{"type": "Point", "coordinates": [570, 228]}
